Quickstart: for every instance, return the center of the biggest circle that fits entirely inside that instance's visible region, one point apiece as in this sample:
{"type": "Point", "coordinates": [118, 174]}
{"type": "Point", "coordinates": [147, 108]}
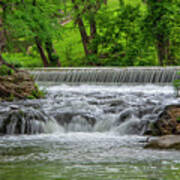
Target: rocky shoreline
{"type": "Point", "coordinates": [19, 85]}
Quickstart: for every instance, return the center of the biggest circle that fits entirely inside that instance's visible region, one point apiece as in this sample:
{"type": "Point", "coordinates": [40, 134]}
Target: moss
{"type": "Point", "coordinates": [30, 97]}
{"type": "Point", "coordinates": [178, 119]}
{"type": "Point", "coordinates": [11, 97]}
{"type": "Point", "coordinates": [4, 70]}
{"type": "Point", "coordinates": [21, 112]}
{"type": "Point", "coordinates": [36, 93]}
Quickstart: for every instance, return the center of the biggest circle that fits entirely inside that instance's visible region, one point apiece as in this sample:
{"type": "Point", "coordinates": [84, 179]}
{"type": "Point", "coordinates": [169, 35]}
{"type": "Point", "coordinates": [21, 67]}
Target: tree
{"type": "Point", "coordinates": [158, 25]}
{"type": "Point", "coordinates": [30, 22]}
{"type": "Point", "coordinates": [84, 13]}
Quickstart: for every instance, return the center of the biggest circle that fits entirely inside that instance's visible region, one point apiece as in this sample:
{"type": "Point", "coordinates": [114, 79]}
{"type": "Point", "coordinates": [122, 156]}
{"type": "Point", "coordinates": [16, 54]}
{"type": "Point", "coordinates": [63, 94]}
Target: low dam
{"type": "Point", "coordinates": [110, 75]}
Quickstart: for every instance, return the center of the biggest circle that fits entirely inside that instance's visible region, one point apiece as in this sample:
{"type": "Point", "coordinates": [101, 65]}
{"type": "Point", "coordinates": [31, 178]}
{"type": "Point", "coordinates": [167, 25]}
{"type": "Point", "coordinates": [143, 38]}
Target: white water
{"type": "Point", "coordinates": [85, 88]}
{"type": "Point", "coordinates": [125, 109]}
{"type": "Point", "coordinates": [99, 137]}
{"type": "Point", "coordinates": [106, 104]}
{"type": "Point", "coordinates": [111, 75]}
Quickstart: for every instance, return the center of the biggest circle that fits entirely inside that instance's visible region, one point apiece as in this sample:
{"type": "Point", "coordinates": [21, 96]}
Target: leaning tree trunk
{"type": "Point", "coordinates": [52, 55]}
{"type": "Point", "coordinates": [42, 53]}
{"type": "Point", "coordinates": [93, 30]}
{"type": "Point", "coordinates": [82, 29]}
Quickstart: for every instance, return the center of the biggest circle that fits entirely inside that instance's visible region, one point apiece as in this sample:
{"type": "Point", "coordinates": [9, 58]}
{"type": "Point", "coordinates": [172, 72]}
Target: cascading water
{"type": "Point", "coordinates": [111, 75]}
{"type": "Point", "coordinates": [125, 109]}
{"type": "Point", "coordinates": [88, 131]}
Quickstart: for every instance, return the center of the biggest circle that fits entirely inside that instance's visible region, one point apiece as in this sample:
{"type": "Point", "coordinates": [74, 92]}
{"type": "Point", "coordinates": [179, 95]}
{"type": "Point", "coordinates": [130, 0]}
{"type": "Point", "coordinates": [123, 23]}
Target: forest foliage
{"type": "Point", "coordinates": [90, 32]}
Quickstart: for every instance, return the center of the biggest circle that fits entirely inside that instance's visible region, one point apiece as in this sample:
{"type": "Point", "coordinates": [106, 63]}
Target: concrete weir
{"type": "Point", "coordinates": [108, 74]}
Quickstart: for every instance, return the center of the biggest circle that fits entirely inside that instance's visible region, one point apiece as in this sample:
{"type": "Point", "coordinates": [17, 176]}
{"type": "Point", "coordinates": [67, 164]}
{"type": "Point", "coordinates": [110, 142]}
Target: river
{"type": "Point", "coordinates": [95, 132]}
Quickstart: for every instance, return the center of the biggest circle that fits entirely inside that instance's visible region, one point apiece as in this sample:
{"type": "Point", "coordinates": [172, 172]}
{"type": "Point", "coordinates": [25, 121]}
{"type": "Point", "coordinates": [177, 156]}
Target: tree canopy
{"type": "Point", "coordinates": [90, 33]}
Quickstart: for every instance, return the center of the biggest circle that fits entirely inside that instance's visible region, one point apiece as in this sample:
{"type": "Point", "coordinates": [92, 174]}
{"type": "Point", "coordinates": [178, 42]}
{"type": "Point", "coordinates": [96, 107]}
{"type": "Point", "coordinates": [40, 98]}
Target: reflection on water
{"type": "Point", "coordinates": [92, 154]}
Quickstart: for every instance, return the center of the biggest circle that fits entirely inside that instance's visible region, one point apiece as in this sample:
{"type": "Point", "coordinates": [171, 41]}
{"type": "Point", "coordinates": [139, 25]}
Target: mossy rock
{"type": "Point", "coordinates": [4, 70]}
{"type": "Point", "coordinates": [168, 121]}
{"type": "Point", "coordinates": [19, 85]}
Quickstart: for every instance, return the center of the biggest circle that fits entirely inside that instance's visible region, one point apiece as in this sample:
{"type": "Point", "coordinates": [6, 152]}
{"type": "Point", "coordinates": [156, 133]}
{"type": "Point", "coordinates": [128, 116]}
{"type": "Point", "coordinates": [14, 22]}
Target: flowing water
{"type": "Point", "coordinates": [88, 132]}
{"type": "Point", "coordinates": [110, 75]}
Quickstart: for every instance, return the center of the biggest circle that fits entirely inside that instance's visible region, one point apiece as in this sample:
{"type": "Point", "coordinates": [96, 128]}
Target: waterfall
{"type": "Point", "coordinates": [22, 121]}
{"type": "Point", "coordinates": [125, 109]}
{"type": "Point", "coordinates": [81, 107]}
{"type": "Point", "coordinates": [108, 75]}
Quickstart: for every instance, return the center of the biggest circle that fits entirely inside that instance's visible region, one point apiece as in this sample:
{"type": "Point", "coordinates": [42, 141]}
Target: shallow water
{"type": "Point", "coordinates": [107, 153]}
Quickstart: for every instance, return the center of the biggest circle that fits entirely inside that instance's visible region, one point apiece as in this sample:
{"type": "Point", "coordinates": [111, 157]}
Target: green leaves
{"type": "Point", "coordinates": [25, 21]}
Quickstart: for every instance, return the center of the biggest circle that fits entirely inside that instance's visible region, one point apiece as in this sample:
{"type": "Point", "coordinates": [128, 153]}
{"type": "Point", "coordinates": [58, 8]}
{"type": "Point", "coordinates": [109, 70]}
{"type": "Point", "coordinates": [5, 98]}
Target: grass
{"type": "Point", "coordinates": [23, 60]}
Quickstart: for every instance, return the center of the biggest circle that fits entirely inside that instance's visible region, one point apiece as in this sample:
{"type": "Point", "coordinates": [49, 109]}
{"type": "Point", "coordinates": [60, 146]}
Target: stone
{"type": "Point", "coordinates": [124, 115]}
{"type": "Point", "coordinates": [164, 142]}
{"type": "Point", "coordinates": [14, 107]}
{"type": "Point", "coordinates": [64, 118]}
{"type": "Point", "coordinates": [167, 122]}
{"type": "Point", "coordinates": [23, 121]}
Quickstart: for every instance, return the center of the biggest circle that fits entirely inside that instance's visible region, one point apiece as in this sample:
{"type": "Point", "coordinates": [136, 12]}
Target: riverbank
{"type": "Point", "coordinates": [17, 85]}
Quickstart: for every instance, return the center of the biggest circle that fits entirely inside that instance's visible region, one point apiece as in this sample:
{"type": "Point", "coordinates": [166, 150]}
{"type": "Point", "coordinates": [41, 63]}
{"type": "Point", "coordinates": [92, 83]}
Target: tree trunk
{"type": "Point", "coordinates": [42, 53]}
{"type": "Point", "coordinates": [52, 55]}
{"type": "Point", "coordinates": [82, 29]}
{"type": "Point", "coordinates": [93, 35]}
{"type": "Point", "coordinates": [105, 2]}
{"type": "Point", "coordinates": [170, 54]}
{"type": "Point", "coordinates": [161, 52]}
{"type": "Point", "coordinates": [2, 37]}
{"type": "Point", "coordinates": [165, 55]}
{"type": "Point", "coordinates": [3, 32]}
{"type": "Point", "coordinates": [84, 36]}
{"type": "Point", "coordinates": [39, 46]}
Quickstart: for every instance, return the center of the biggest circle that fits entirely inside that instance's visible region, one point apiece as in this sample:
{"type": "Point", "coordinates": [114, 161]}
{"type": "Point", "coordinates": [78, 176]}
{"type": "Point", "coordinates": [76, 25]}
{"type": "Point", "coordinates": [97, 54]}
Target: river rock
{"type": "Point", "coordinates": [165, 142]}
{"type": "Point", "coordinates": [64, 118]}
{"type": "Point", "coordinates": [23, 121]}
{"type": "Point", "coordinates": [14, 107]}
{"type": "Point", "coordinates": [167, 122]}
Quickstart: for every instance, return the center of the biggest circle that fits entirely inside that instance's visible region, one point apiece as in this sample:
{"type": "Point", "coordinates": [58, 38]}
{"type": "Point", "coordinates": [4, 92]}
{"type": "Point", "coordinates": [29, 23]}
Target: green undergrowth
{"type": "Point", "coordinates": [70, 50]}
{"type": "Point", "coordinates": [4, 70]}
{"type": "Point", "coordinates": [37, 93]}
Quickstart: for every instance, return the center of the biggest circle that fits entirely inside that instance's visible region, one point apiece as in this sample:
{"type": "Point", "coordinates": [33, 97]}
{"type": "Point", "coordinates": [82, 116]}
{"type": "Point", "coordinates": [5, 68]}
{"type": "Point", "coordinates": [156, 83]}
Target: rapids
{"type": "Point", "coordinates": [87, 132]}
{"type": "Point", "coordinates": [120, 110]}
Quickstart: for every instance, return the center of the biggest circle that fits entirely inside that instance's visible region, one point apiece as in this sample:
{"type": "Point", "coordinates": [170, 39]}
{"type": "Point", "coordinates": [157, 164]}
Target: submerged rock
{"type": "Point", "coordinates": [168, 121]}
{"type": "Point", "coordinates": [23, 121]}
{"type": "Point", "coordinates": [64, 118]}
{"type": "Point", "coordinates": [165, 142]}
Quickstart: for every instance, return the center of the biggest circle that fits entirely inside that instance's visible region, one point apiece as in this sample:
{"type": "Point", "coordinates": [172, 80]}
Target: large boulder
{"type": "Point", "coordinates": [168, 121]}
{"type": "Point", "coordinates": [164, 142]}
